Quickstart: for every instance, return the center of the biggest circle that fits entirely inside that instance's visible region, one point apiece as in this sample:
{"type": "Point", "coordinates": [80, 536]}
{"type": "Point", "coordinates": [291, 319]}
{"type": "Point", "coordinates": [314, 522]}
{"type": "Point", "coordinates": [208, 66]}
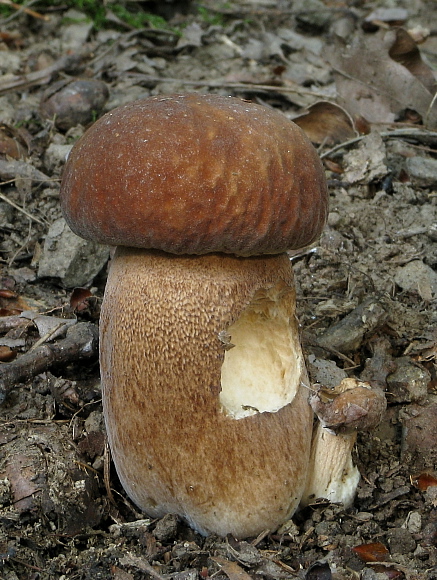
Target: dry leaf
{"type": "Point", "coordinates": [373, 552]}
{"type": "Point", "coordinates": [49, 325]}
{"type": "Point", "coordinates": [424, 480]}
{"type": "Point", "coordinates": [406, 52]}
{"type": "Point", "coordinates": [11, 303]}
{"type": "Point", "coordinates": [6, 293]}
{"type": "Point", "coordinates": [7, 354]}
{"type": "Point", "coordinates": [232, 570]}
{"type": "Point", "coordinates": [327, 123]}
{"type": "Point", "coordinates": [319, 571]}
{"type": "Point", "coordinates": [377, 86]}
{"type": "Point", "coordinates": [11, 143]}
{"type": "Point", "coordinates": [78, 299]}
{"type": "Point", "coordinates": [353, 405]}
{"type": "Point", "coordinates": [366, 163]}
{"type": "Point", "coordinates": [333, 166]}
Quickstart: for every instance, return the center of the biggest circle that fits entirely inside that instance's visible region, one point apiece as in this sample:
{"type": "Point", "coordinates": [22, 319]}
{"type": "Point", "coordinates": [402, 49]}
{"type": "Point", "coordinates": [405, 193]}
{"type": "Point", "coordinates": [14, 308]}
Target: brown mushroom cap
{"type": "Point", "coordinates": [194, 174]}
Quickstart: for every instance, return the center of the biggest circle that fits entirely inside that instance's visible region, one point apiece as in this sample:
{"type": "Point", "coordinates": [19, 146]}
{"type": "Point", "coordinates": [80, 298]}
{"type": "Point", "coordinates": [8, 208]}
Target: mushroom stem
{"type": "Point", "coordinates": [331, 473]}
{"type": "Point", "coordinates": [202, 375]}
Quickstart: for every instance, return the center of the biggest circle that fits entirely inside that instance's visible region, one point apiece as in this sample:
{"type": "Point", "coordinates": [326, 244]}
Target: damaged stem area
{"type": "Point", "coordinates": [262, 369]}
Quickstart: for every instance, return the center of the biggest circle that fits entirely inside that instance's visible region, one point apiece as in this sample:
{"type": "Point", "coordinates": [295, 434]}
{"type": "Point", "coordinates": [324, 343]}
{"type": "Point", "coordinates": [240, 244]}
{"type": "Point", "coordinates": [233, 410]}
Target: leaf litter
{"type": "Point", "coordinates": [361, 81]}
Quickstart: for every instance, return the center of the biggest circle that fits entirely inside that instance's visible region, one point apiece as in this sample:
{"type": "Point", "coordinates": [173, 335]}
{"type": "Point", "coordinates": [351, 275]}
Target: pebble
{"type": "Point", "coordinates": [71, 259]}
{"type": "Point", "coordinates": [408, 383]}
{"type": "Point", "coordinates": [74, 102]}
{"type": "Point", "coordinates": [422, 171]}
{"type": "Point", "coordinates": [419, 277]}
{"type": "Point", "coordinates": [325, 372]}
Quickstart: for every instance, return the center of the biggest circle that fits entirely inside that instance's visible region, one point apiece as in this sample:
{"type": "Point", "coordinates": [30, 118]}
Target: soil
{"type": "Point", "coordinates": [367, 291]}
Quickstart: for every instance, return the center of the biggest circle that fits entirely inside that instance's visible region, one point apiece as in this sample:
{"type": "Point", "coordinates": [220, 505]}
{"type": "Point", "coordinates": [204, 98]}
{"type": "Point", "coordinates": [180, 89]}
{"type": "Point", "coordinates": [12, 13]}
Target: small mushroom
{"type": "Point", "coordinates": [343, 411]}
{"type": "Point", "coordinates": [204, 382]}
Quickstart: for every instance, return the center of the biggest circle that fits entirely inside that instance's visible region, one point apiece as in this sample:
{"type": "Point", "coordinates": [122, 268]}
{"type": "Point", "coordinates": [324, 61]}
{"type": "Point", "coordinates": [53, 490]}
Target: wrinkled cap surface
{"type": "Point", "coordinates": [194, 174]}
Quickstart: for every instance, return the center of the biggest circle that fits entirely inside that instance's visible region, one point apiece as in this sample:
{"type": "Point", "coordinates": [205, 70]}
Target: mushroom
{"type": "Point", "coordinates": [203, 377]}
{"type": "Point", "coordinates": [351, 406]}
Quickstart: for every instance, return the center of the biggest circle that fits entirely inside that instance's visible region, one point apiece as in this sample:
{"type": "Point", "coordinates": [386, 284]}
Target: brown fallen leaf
{"type": "Point", "coordinates": [11, 303]}
{"type": "Point", "coordinates": [406, 52]}
{"type": "Point", "coordinates": [78, 297]}
{"type": "Point", "coordinates": [373, 552]}
{"type": "Point", "coordinates": [7, 354]}
{"type": "Point", "coordinates": [11, 143]}
{"type": "Point", "coordinates": [375, 77]}
{"type": "Point", "coordinates": [353, 405]}
{"type": "Point", "coordinates": [327, 123]}
{"type": "Point", "coordinates": [424, 480]}
{"type": "Point", "coordinates": [390, 573]}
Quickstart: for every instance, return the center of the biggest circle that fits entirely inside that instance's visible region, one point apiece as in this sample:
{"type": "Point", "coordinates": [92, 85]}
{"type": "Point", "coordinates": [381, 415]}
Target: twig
{"type": "Point", "coordinates": [140, 564]}
{"type": "Point", "coordinates": [39, 77]}
{"type": "Point", "coordinates": [20, 209]}
{"type": "Point", "coordinates": [431, 105]}
{"type": "Point", "coordinates": [295, 89]}
{"type": "Point", "coordinates": [80, 343]}
{"type": "Point", "coordinates": [28, 11]}
{"type": "Point", "coordinates": [107, 472]}
{"type": "Point", "coordinates": [46, 337]}
{"type": "Point", "coordinates": [348, 334]}
{"type": "Point", "coordinates": [421, 135]}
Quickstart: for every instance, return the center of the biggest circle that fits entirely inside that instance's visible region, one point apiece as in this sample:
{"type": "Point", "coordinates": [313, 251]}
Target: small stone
{"type": "Point", "coordinates": [400, 541]}
{"type": "Point", "coordinates": [419, 434]}
{"type": "Point", "coordinates": [166, 529]}
{"type": "Point", "coordinates": [408, 383]}
{"type": "Point", "coordinates": [312, 14]}
{"type": "Point", "coordinates": [55, 155]}
{"type": "Point", "coordinates": [417, 276]}
{"type": "Point", "coordinates": [74, 102]}
{"type": "Point", "coordinates": [388, 15]}
{"type": "Point", "coordinates": [76, 31]}
{"type": "Point", "coordinates": [422, 171]}
{"type": "Point", "coordinates": [413, 522]}
{"type": "Point", "coordinates": [73, 260]}
{"type": "Point", "coordinates": [364, 516]}
{"type": "Point", "coordinates": [432, 232]}
{"type": "Point", "coordinates": [325, 372]}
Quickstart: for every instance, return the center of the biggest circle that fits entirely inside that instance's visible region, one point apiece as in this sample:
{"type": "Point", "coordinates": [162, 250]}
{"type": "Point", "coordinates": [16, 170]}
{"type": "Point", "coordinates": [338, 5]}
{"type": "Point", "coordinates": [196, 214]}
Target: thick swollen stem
{"type": "Point", "coordinates": [202, 377]}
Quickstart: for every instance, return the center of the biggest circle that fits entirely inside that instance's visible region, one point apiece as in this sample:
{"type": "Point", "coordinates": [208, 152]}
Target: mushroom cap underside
{"type": "Point", "coordinates": [195, 174]}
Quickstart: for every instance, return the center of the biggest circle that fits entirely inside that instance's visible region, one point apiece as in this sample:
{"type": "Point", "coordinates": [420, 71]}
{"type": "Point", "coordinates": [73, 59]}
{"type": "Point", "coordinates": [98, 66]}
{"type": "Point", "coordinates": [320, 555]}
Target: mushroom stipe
{"type": "Point", "coordinates": [222, 442]}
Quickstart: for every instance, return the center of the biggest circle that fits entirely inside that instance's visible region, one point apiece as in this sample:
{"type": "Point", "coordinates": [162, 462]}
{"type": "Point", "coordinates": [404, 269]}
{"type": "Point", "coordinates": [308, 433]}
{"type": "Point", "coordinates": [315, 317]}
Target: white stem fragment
{"type": "Point", "coordinates": [332, 475]}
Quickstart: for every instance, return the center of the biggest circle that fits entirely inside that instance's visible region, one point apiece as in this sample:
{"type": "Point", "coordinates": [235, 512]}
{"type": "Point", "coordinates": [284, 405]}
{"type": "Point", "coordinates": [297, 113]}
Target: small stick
{"type": "Point", "coordinates": [292, 88]}
{"type": "Point", "coordinates": [80, 343]}
{"type": "Point", "coordinates": [23, 211]}
{"type": "Point", "coordinates": [40, 77]}
{"type": "Point", "coordinates": [415, 134]}
{"type": "Point", "coordinates": [28, 11]}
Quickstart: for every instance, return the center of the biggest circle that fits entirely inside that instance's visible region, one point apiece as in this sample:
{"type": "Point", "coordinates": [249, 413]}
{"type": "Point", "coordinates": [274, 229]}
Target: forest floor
{"type": "Point", "coordinates": [357, 77]}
